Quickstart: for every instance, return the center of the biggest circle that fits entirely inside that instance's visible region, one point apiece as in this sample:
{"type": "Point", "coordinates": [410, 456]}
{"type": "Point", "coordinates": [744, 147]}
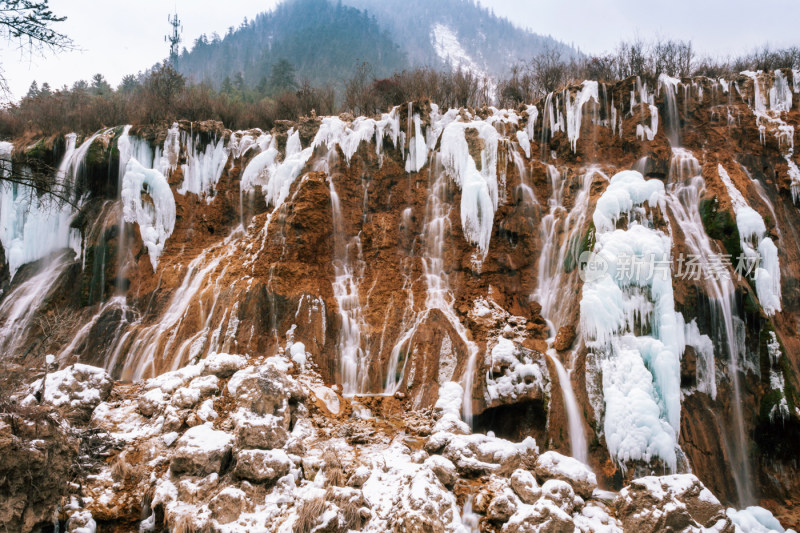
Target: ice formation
{"type": "Point", "coordinates": [276, 178]}
{"type": "Point", "coordinates": [147, 200]}
{"type": "Point", "coordinates": [33, 225]}
{"type": "Point", "coordinates": [628, 317]}
{"type": "Point", "coordinates": [203, 168]}
{"type": "Point", "coordinates": [478, 187]}
{"type": "Point", "coordinates": [587, 92]}
{"type": "Point", "coordinates": [757, 247]}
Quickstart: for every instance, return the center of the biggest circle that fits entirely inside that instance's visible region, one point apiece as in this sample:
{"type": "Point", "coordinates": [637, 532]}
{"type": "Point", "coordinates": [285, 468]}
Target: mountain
{"type": "Point", "coordinates": [325, 41]}
{"type": "Point", "coordinates": [460, 32]}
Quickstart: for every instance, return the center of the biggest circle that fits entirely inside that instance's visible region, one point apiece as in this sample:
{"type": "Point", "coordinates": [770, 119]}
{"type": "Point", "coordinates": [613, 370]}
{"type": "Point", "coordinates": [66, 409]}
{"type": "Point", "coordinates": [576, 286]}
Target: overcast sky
{"type": "Point", "coordinates": [117, 38]}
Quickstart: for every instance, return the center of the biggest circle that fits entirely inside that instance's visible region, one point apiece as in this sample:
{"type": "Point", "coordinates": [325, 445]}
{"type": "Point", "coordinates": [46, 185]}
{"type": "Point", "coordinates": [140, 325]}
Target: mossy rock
{"type": "Point", "coordinates": [576, 248]}
{"type": "Point", "coordinates": [721, 225]}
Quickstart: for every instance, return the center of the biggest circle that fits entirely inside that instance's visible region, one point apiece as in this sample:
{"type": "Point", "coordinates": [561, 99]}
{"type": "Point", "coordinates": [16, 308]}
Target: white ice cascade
{"type": "Point", "coordinates": [479, 189]}
{"type": "Point", "coordinates": [33, 225]}
{"type": "Point", "coordinates": [147, 200]}
{"type": "Point", "coordinates": [203, 167]}
{"type": "Point", "coordinates": [629, 320]}
{"type": "Point", "coordinates": [757, 247]}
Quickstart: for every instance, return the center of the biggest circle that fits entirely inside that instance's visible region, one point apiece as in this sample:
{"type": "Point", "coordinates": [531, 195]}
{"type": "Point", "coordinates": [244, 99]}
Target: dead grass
{"type": "Point", "coordinates": [308, 513]}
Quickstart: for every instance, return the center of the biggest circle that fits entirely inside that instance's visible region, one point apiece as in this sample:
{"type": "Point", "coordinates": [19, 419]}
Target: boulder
{"type": "Point", "coordinates": [560, 493]}
{"type": "Point", "coordinates": [267, 389]}
{"type": "Point", "coordinates": [227, 505]}
{"type": "Point", "coordinates": [444, 469]}
{"type": "Point", "coordinates": [676, 502]}
{"type": "Point", "coordinates": [553, 465]}
{"type": "Point", "coordinates": [476, 455]}
{"type": "Point", "coordinates": [201, 451]}
{"type": "Point", "coordinates": [502, 507]}
{"type": "Point", "coordinates": [75, 390]}
{"type": "Point", "coordinates": [151, 402]}
{"type": "Point", "coordinates": [525, 486]}
{"type": "Point", "coordinates": [265, 432]}
{"type": "Point", "coordinates": [261, 466]}
{"type": "Point", "coordinates": [542, 516]}
{"type": "Point", "coordinates": [223, 365]}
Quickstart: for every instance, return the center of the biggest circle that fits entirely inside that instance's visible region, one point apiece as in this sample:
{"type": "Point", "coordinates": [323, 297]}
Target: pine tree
{"type": "Point", "coordinates": [282, 77]}
{"type": "Point", "coordinates": [100, 86]}
{"type": "Point", "coordinates": [33, 91]}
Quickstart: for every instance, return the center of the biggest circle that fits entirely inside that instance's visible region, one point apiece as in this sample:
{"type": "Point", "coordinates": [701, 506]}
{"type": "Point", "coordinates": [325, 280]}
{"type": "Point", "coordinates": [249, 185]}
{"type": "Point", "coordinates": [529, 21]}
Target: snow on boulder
{"type": "Point", "coordinates": [444, 469]}
{"type": "Point", "coordinates": [254, 431]}
{"type": "Point", "coordinates": [483, 454]}
{"type": "Point", "coordinates": [553, 465]}
{"type": "Point", "coordinates": [559, 492]}
{"type": "Point", "coordinates": [261, 466]}
{"type": "Point", "coordinates": [200, 387]}
{"type": "Point", "coordinates": [659, 503]}
{"type": "Point", "coordinates": [544, 515]}
{"type": "Point", "coordinates": [151, 402]}
{"type": "Point", "coordinates": [266, 389]}
{"type": "Point", "coordinates": [202, 450]}
{"type": "Point", "coordinates": [77, 389]}
{"type": "Point", "coordinates": [595, 517]}
{"type": "Point", "coordinates": [223, 365]}
{"type": "Point", "coordinates": [227, 505]}
{"type": "Point", "coordinates": [525, 486]}
{"type": "Point", "coordinates": [169, 382]}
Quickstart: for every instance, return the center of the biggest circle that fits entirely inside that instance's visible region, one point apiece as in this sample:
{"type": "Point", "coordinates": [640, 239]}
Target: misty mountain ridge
{"type": "Point", "coordinates": [324, 41]}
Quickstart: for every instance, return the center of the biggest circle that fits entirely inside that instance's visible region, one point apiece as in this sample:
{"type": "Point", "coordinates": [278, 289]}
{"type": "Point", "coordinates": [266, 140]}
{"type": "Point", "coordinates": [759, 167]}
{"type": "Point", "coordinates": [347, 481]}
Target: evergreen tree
{"type": "Point", "coordinates": [128, 84]}
{"type": "Point", "coordinates": [33, 90]}
{"type": "Point", "coordinates": [282, 78]}
{"type": "Point", "coordinates": [100, 86]}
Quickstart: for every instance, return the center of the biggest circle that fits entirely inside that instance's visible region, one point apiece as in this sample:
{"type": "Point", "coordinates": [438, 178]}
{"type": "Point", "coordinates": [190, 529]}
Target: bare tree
{"type": "Point", "coordinates": [29, 23]}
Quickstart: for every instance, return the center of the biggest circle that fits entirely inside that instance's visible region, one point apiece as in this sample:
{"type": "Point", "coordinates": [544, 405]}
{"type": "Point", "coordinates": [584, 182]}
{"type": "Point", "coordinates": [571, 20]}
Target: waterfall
{"type": "Point", "coordinates": [439, 295]}
{"type": "Point", "coordinates": [577, 438]}
{"type": "Point", "coordinates": [672, 121]}
{"type": "Point", "coordinates": [686, 185]}
{"type": "Point", "coordinates": [551, 281]}
{"type": "Point", "coordinates": [345, 289]}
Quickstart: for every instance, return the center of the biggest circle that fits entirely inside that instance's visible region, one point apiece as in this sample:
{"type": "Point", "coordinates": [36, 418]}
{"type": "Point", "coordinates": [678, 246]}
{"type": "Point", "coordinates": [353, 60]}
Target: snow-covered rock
{"type": "Point", "coordinates": [544, 515]}
{"type": "Point", "coordinates": [525, 486]}
{"type": "Point", "coordinates": [444, 469]}
{"type": "Point", "coordinates": [261, 466]}
{"type": "Point", "coordinates": [223, 365]}
{"type": "Point", "coordinates": [483, 454]}
{"type": "Point", "coordinates": [77, 389]}
{"type": "Point", "coordinates": [553, 465]}
{"type": "Point", "coordinates": [253, 431]}
{"type": "Point", "coordinates": [658, 503]}
{"type": "Point", "coordinates": [227, 505]}
{"type": "Point", "coordinates": [201, 451]}
{"type": "Point", "coordinates": [151, 402]}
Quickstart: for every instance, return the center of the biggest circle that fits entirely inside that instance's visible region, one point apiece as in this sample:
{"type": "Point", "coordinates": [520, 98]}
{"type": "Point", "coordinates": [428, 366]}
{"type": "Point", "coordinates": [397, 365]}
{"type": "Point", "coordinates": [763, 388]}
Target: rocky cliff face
{"type": "Point", "coordinates": [572, 267]}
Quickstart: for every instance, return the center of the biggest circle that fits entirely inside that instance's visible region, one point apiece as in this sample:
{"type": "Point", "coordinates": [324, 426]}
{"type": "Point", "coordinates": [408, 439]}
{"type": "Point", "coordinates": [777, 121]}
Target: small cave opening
{"type": "Point", "coordinates": [514, 422]}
